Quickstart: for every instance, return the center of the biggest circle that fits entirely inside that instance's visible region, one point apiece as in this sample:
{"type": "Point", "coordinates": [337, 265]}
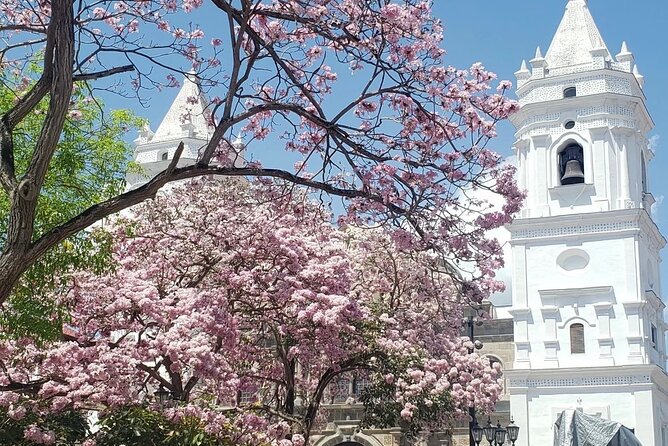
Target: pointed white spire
{"type": "Point", "coordinates": [625, 56]}
{"type": "Point", "coordinates": [145, 134]}
{"type": "Point", "coordinates": [239, 148]}
{"type": "Point", "coordinates": [238, 144]}
{"type": "Point", "coordinates": [538, 64]}
{"type": "Point", "coordinates": [640, 77]}
{"type": "Point", "coordinates": [523, 72]}
{"type": "Point", "coordinates": [539, 53]}
{"type": "Point", "coordinates": [576, 36]}
{"type": "Point", "coordinates": [189, 108]}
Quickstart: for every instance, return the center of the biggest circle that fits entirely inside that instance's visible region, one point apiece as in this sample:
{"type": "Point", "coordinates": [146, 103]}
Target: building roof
{"type": "Point", "coordinates": [576, 36]}
{"type": "Point", "coordinates": [189, 107]}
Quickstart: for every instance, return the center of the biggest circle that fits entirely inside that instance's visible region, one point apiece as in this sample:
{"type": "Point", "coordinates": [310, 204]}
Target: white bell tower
{"type": "Point", "coordinates": [186, 121]}
{"type": "Point", "coordinates": [588, 316]}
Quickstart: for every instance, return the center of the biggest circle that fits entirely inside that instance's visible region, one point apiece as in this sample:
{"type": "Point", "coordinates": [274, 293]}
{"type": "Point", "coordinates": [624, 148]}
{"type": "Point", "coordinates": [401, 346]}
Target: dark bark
{"type": "Point", "coordinates": [56, 81]}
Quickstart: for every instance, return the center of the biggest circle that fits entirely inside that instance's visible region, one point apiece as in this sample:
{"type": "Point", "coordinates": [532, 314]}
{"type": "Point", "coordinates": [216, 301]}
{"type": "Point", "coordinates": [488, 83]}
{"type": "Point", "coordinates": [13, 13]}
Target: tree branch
{"type": "Point", "coordinates": [148, 190]}
{"type": "Point", "coordinates": [102, 74]}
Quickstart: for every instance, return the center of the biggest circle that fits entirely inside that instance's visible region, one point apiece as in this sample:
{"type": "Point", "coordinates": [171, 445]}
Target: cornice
{"type": "Point", "coordinates": [592, 224]}
{"type": "Point", "coordinates": [564, 106]}
{"type": "Point", "coordinates": [621, 376]}
{"type": "Point", "coordinates": [535, 82]}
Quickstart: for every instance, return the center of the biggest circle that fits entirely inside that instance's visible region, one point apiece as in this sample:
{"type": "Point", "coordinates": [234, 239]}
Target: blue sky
{"type": "Point", "coordinates": [502, 33]}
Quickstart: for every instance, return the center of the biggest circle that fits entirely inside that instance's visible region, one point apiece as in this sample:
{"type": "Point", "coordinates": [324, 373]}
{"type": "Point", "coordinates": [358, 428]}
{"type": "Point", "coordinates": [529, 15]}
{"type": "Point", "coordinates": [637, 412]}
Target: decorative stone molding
{"type": "Point", "coordinates": [574, 229]}
{"type": "Point", "coordinates": [584, 381]}
{"type": "Point", "coordinates": [598, 82]}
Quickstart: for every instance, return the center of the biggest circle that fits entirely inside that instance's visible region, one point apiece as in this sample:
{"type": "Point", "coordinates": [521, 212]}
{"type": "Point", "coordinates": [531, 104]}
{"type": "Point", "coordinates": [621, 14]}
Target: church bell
{"type": "Point", "coordinates": [573, 173]}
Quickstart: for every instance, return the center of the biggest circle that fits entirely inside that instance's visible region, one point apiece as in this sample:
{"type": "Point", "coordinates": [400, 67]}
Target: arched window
{"type": "Point", "coordinates": [577, 338]}
{"type": "Point", "coordinates": [165, 156]}
{"type": "Point", "coordinates": [570, 92]}
{"type": "Point", "coordinates": [571, 165]}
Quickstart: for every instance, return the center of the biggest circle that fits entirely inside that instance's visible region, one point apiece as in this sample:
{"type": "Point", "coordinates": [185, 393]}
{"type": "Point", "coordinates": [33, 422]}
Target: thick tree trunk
{"type": "Point", "coordinates": [11, 268]}
{"type": "Point", "coordinates": [24, 192]}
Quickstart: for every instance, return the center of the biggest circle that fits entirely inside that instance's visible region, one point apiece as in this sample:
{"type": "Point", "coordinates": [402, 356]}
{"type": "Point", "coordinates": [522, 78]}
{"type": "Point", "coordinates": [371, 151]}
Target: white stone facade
{"type": "Point", "coordinates": [588, 316]}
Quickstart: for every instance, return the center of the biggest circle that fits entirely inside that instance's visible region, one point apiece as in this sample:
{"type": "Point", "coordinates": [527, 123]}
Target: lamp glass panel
{"type": "Point", "coordinates": [500, 435]}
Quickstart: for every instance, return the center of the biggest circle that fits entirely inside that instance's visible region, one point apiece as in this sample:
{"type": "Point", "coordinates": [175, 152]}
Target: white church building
{"type": "Point", "coordinates": [585, 296]}
{"type": "Point", "coordinates": [586, 306]}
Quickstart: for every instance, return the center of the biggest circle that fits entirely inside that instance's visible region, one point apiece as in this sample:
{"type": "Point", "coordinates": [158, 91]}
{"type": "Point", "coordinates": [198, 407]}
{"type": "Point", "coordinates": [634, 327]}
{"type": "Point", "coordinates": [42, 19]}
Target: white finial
{"type": "Point", "coordinates": [539, 61]}
{"type": "Point", "coordinates": [239, 148]}
{"type": "Point", "coordinates": [640, 77]}
{"type": "Point", "coordinates": [145, 134]}
{"type": "Point", "coordinates": [238, 143]}
{"type": "Point", "coordinates": [625, 56]}
{"type": "Point", "coordinates": [523, 75]}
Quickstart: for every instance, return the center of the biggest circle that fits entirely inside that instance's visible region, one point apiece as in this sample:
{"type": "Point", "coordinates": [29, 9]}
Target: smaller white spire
{"type": "Point", "coordinates": [539, 54]}
{"type": "Point", "coordinates": [523, 71]}
{"type": "Point", "coordinates": [238, 144]}
{"type": "Point", "coordinates": [624, 54]}
{"type": "Point", "coordinates": [538, 64]}
{"type": "Point", "coordinates": [523, 74]}
{"type": "Point", "coordinates": [144, 135]}
{"type": "Point", "coordinates": [239, 148]}
{"type": "Point", "coordinates": [640, 77]}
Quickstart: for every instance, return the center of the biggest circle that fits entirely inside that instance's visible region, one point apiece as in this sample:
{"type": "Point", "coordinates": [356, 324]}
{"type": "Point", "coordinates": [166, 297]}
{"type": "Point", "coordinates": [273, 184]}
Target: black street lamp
{"type": "Point", "coordinates": [500, 434]}
{"type": "Point", "coordinates": [513, 431]}
{"type": "Point", "coordinates": [163, 396]}
{"type": "Point", "coordinates": [495, 435]}
{"type": "Point", "coordinates": [490, 431]}
{"type": "Point", "coordinates": [476, 432]}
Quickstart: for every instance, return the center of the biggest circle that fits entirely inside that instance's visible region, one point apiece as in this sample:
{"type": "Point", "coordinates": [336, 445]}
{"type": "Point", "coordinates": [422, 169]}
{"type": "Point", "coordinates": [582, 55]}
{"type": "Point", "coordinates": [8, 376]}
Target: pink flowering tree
{"type": "Point", "coordinates": [358, 91]}
{"type": "Point", "coordinates": [246, 306]}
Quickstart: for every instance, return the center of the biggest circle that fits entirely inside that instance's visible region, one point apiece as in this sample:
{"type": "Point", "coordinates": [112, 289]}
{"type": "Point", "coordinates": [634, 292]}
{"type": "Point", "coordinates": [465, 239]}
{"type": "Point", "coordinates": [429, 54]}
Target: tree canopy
{"type": "Point", "coordinates": [247, 307]}
{"type": "Point", "coordinates": [359, 90]}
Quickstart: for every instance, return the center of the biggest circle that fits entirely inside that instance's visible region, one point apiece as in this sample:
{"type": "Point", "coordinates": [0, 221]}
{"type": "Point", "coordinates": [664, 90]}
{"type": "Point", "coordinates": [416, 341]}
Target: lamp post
{"type": "Point", "coordinates": [163, 396]}
{"type": "Point", "coordinates": [476, 432]}
{"type": "Point", "coordinates": [495, 435]}
{"type": "Point", "coordinates": [513, 431]}
{"type": "Point", "coordinates": [470, 324]}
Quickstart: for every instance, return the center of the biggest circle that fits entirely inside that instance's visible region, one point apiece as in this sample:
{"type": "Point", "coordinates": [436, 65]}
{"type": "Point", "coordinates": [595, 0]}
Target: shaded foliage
{"type": "Point", "coordinates": [88, 166]}
{"type": "Point", "coordinates": [69, 428]}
